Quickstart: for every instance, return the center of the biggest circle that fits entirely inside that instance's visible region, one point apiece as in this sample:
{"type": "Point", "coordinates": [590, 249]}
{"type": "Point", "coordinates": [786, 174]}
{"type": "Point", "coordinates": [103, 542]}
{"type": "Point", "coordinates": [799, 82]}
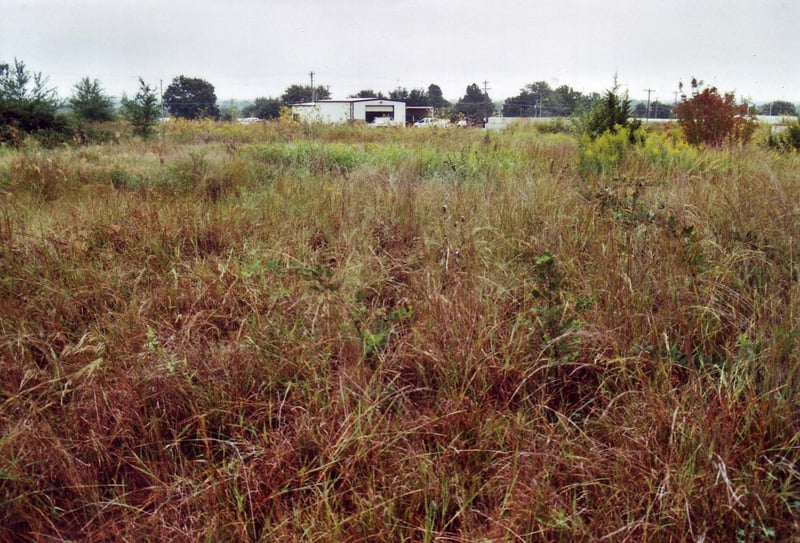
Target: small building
{"type": "Point", "coordinates": [366, 110]}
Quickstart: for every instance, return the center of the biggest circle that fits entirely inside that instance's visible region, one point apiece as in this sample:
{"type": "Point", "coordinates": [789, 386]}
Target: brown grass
{"type": "Point", "coordinates": [282, 333]}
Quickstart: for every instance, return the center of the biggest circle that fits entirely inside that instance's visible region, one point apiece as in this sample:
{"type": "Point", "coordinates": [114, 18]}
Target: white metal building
{"type": "Point", "coordinates": [368, 110]}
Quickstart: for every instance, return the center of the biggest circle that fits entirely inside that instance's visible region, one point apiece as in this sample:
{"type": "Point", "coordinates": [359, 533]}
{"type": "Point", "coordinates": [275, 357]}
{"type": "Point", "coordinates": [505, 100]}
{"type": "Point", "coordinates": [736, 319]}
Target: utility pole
{"type": "Point", "coordinates": [672, 113]}
{"type": "Point", "coordinates": [161, 96]}
{"type": "Point", "coordinates": [648, 101]}
{"type": "Point", "coordinates": [486, 94]}
{"type": "Point", "coordinates": [313, 90]}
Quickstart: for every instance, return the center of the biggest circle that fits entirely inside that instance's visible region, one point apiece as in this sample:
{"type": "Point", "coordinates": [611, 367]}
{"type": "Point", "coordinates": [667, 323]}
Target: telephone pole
{"type": "Point", "coordinates": [486, 94]}
{"type": "Point", "coordinates": [672, 113]}
{"type": "Point", "coordinates": [313, 90]}
{"type": "Point", "coordinates": [648, 91]}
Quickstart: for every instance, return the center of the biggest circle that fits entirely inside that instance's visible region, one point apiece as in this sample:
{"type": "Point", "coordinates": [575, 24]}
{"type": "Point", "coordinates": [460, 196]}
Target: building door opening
{"type": "Point", "coordinates": [375, 112]}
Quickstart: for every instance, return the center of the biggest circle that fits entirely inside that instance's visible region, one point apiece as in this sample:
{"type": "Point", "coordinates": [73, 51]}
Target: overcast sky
{"type": "Point", "coordinates": [251, 48]}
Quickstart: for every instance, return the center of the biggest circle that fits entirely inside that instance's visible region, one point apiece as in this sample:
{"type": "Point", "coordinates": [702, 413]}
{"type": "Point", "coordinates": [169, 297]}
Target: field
{"type": "Point", "coordinates": [290, 333]}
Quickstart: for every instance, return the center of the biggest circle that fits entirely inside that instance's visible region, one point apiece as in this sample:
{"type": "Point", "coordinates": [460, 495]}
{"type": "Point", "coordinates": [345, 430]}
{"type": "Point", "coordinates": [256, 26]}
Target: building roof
{"type": "Point", "coordinates": [350, 100]}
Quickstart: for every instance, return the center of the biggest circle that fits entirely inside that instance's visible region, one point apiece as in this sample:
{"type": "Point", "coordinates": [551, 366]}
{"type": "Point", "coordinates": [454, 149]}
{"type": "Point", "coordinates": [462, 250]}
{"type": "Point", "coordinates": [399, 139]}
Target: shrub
{"type": "Point", "coordinates": [554, 126]}
{"type": "Point", "coordinates": [787, 139]}
{"type": "Point", "coordinates": [27, 106]}
{"type": "Point", "coordinates": [603, 154]}
{"type": "Point", "coordinates": [668, 150]}
{"type": "Point", "coordinates": [90, 103]}
{"type": "Point", "coordinates": [142, 111]}
{"type": "Point", "coordinates": [708, 118]}
{"type": "Point", "coordinates": [665, 150]}
{"type": "Point", "coordinates": [610, 113]}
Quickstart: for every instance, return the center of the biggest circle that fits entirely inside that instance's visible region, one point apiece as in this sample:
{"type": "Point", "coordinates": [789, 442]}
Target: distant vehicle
{"type": "Point", "coordinates": [431, 122]}
{"type": "Point", "coordinates": [249, 120]}
{"type": "Point", "coordinates": [382, 122]}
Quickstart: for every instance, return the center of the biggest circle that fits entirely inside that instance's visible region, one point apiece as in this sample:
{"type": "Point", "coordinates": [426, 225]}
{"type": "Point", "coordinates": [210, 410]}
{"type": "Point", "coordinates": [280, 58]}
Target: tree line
{"type": "Point", "coordinates": [474, 104]}
{"type": "Point", "coordinates": [28, 106]}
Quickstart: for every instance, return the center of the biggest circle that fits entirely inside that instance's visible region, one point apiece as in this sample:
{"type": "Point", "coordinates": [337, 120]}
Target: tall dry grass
{"type": "Point", "coordinates": [287, 333]}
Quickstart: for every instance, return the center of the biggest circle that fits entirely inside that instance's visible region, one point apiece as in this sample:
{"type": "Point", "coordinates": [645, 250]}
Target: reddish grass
{"type": "Point", "coordinates": [399, 337]}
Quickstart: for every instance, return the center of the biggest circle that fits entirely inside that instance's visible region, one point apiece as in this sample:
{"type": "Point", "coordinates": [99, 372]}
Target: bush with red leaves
{"type": "Point", "coordinates": [713, 119]}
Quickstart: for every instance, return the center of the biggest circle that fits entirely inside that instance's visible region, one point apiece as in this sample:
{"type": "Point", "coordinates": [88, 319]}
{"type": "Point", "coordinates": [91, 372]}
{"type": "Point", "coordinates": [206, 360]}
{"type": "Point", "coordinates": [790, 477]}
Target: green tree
{"type": "Point", "coordinates": [17, 84]}
{"type": "Point", "coordinates": [90, 103]}
{"type": "Point", "coordinates": [710, 118]}
{"type": "Point", "coordinates": [418, 97]}
{"type": "Point", "coordinates": [298, 94]}
{"type": "Point", "coordinates": [28, 105]}
{"type": "Point", "coordinates": [263, 108]}
{"type": "Point", "coordinates": [609, 113]}
{"type": "Point", "coordinates": [191, 98]}
{"type": "Point", "coordinates": [142, 111]}
{"type": "Point", "coordinates": [475, 104]}
{"type": "Point", "coordinates": [436, 98]}
{"type": "Point", "coordinates": [778, 107]}
{"type": "Point", "coordinates": [367, 93]}
{"type": "Point", "coordinates": [540, 100]}
{"type": "Point", "coordinates": [400, 94]}
{"type": "Point", "coordinates": [569, 101]}
{"type": "Point", "coordinates": [413, 97]}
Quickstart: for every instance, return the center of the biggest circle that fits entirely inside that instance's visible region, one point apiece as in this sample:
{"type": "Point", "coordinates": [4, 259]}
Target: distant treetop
{"type": "Point", "coordinates": [298, 94]}
{"type": "Point", "coordinates": [191, 98]}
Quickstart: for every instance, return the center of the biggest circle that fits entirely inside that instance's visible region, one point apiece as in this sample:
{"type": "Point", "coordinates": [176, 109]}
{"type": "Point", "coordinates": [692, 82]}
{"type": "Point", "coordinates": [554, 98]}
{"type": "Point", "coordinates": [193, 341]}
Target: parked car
{"type": "Point", "coordinates": [430, 121]}
{"type": "Point", "coordinates": [382, 122]}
